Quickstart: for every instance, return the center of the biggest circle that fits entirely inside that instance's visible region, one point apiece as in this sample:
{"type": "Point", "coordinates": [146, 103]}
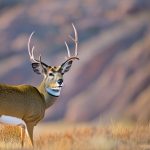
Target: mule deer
{"type": "Point", "coordinates": [28, 102]}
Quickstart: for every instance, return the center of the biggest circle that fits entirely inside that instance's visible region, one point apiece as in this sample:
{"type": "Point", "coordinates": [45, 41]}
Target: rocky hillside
{"type": "Point", "coordinates": [112, 78]}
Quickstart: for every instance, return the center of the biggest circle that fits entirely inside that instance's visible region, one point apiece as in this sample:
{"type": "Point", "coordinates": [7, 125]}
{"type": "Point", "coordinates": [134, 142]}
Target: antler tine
{"type": "Point", "coordinates": [75, 40]}
{"type": "Point", "coordinates": [68, 50]}
{"type": "Point", "coordinates": [31, 51]}
{"type": "Point", "coordinates": [40, 60]}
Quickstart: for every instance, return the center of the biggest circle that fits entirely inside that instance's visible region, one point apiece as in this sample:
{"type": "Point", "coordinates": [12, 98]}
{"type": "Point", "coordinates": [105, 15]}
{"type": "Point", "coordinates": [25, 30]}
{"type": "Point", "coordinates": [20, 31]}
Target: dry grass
{"type": "Point", "coordinates": [10, 137]}
{"type": "Point", "coordinates": [80, 137]}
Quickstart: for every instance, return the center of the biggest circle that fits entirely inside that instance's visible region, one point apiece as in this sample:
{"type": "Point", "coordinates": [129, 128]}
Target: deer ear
{"type": "Point", "coordinates": [40, 68]}
{"type": "Point", "coordinates": [65, 67]}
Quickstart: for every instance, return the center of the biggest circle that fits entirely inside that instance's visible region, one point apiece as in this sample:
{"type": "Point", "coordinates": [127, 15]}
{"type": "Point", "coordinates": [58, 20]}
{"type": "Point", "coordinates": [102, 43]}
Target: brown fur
{"type": "Point", "coordinates": [25, 102]}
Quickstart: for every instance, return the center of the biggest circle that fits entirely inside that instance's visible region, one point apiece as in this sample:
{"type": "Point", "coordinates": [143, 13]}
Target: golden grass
{"type": "Point", "coordinates": [60, 136]}
{"type": "Point", "coordinates": [10, 137]}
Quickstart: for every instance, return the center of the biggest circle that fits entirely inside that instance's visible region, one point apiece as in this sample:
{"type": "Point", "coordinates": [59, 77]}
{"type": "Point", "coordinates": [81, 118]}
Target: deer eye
{"type": "Point", "coordinates": [51, 74]}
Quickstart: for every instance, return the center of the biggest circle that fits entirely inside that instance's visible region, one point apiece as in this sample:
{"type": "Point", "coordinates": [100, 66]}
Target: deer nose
{"type": "Point", "coordinates": [60, 81]}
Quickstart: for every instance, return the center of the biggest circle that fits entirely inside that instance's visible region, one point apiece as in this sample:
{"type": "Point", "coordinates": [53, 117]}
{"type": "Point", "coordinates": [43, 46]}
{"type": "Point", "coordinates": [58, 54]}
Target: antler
{"type": "Point", "coordinates": [75, 40]}
{"type": "Point", "coordinates": [31, 52]}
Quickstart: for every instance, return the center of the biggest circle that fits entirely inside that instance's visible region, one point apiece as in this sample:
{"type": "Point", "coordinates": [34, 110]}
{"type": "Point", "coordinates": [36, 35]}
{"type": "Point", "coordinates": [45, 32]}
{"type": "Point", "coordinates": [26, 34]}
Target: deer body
{"type": "Point", "coordinates": [23, 101]}
{"type": "Point", "coordinates": [28, 102]}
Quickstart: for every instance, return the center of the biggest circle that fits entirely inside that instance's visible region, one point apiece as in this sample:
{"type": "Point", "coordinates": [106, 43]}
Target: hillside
{"type": "Point", "coordinates": [112, 78]}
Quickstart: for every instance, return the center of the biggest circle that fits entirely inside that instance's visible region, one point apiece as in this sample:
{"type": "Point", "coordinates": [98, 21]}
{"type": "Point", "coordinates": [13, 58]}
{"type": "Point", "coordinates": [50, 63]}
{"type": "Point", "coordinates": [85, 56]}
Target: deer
{"type": "Point", "coordinates": [28, 102]}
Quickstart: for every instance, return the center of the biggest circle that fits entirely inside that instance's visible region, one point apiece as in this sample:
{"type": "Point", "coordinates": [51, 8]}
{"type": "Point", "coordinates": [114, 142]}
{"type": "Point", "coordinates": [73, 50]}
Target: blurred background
{"type": "Point", "coordinates": [112, 79]}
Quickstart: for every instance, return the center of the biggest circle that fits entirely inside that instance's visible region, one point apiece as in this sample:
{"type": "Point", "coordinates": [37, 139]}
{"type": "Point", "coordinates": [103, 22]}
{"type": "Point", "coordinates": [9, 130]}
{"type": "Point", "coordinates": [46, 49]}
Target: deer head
{"type": "Point", "coordinates": [53, 75]}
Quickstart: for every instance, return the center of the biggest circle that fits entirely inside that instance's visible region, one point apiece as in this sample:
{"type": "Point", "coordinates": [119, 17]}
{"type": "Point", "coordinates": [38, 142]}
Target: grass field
{"type": "Point", "coordinates": [61, 136]}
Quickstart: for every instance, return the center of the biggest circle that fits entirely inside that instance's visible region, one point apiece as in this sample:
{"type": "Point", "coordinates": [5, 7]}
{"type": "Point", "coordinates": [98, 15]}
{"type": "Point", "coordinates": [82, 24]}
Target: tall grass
{"type": "Point", "coordinates": [80, 137]}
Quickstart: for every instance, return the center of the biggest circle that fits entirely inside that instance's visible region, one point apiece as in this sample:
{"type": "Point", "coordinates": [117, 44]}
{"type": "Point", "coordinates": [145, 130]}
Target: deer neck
{"type": "Point", "coordinates": [49, 99]}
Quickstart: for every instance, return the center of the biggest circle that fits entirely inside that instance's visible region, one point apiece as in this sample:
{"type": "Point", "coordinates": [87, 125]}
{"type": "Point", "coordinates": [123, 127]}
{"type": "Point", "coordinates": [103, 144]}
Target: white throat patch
{"type": "Point", "coordinates": [53, 92]}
